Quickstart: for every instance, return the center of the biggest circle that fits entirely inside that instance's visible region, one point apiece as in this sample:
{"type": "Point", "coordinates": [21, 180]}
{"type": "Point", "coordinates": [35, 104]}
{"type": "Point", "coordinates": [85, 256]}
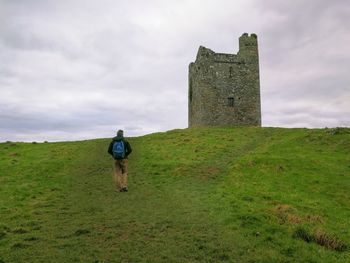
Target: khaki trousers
{"type": "Point", "coordinates": [121, 173]}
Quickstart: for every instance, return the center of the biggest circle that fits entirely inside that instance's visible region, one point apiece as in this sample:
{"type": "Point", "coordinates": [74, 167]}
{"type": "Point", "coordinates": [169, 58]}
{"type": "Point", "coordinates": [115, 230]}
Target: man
{"type": "Point", "coordinates": [120, 149]}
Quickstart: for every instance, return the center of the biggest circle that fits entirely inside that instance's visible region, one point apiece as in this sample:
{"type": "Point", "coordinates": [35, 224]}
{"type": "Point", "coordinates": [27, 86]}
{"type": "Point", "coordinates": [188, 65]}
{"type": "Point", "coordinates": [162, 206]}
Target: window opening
{"type": "Point", "coordinates": [230, 101]}
{"type": "Point", "coordinates": [191, 91]}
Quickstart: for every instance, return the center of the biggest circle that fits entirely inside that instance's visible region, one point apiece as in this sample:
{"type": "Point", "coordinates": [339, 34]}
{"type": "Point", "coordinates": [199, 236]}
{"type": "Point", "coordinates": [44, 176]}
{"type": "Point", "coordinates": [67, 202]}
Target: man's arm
{"type": "Point", "coordinates": [128, 149]}
{"type": "Point", "coordinates": [110, 148]}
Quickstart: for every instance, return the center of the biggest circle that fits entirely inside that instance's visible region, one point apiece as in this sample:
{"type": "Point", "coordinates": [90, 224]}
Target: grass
{"type": "Point", "coordinates": [195, 195]}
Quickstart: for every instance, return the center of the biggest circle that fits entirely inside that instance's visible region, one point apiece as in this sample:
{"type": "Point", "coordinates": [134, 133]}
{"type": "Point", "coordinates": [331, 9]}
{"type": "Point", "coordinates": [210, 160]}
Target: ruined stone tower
{"type": "Point", "coordinates": [224, 89]}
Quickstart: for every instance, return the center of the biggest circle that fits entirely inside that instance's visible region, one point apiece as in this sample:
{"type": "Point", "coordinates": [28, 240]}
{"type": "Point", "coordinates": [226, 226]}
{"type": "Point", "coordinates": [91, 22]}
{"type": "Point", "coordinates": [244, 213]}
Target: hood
{"type": "Point", "coordinates": [118, 138]}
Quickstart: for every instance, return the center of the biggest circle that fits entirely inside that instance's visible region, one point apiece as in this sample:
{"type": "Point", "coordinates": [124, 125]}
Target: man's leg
{"type": "Point", "coordinates": [118, 175]}
{"type": "Point", "coordinates": [124, 167]}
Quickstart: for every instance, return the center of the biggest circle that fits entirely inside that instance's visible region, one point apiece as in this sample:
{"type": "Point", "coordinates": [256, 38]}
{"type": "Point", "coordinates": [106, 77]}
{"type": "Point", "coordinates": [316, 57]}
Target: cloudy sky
{"type": "Point", "coordinates": [79, 69]}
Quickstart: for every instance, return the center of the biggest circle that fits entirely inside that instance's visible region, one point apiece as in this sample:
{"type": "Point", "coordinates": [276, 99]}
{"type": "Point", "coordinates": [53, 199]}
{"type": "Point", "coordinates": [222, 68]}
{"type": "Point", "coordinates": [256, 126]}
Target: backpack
{"type": "Point", "coordinates": [118, 150]}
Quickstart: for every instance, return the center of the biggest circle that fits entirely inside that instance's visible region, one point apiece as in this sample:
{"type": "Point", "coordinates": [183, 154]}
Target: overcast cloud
{"type": "Point", "coordinates": [79, 69]}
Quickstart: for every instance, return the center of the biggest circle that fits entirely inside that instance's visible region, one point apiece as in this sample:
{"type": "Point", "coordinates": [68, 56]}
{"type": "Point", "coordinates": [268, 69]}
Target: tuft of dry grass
{"type": "Point", "coordinates": [314, 219]}
{"type": "Point", "coordinates": [321, 238]}
{"type": "Point", "coordinates": [295, 219]}
{"type": "Point", "coordinates": [329, 241]}
{"type": "Point", "coordinates": [303, 234]}
{"type": "Point", "coordinates": [283, 208]}
{"type": "Point", "coordinates": [287, 213]}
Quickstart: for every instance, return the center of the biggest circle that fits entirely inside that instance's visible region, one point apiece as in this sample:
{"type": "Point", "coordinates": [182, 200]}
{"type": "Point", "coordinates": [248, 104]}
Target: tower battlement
{"type": "Point", "coordinates": [246, 40]}
{"type": "Point", "coordinates": [224, 89]}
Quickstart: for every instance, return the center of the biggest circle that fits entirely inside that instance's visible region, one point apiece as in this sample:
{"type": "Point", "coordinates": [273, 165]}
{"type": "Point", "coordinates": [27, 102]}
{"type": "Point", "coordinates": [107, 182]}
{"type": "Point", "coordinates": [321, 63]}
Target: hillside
{"type": "Point", "coordinates": [195, 195]}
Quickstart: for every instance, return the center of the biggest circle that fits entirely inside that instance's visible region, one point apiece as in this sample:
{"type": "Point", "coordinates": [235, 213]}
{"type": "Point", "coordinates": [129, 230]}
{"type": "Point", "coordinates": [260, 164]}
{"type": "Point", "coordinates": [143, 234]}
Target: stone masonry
{"type": "Point", "coordinates": [224, 89]}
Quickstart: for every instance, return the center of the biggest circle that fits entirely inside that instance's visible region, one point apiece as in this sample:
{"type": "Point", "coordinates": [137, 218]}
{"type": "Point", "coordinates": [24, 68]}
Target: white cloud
{"type": "Point", "coordinates": [82, 69]}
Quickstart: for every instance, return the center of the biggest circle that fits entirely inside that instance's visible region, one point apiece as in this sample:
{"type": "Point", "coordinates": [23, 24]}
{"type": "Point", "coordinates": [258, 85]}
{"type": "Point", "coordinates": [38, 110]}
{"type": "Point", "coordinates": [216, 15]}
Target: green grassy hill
{"type": "Point", "coordinates": [195, 195]}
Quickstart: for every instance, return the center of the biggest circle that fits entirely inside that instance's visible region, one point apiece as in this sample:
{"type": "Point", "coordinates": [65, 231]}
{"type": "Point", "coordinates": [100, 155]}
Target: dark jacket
{"type": "Point", "coordinates": [128, 149]}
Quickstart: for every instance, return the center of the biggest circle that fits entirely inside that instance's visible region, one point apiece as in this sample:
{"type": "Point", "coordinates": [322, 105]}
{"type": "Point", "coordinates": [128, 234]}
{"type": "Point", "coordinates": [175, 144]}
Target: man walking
{"type": "Point", "coordinates": [120, 149]}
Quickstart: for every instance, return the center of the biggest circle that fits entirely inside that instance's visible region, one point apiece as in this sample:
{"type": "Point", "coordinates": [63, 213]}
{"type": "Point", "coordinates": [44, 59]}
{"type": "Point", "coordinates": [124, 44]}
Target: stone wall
{"type": "Point", "coordinates": [224, 89]}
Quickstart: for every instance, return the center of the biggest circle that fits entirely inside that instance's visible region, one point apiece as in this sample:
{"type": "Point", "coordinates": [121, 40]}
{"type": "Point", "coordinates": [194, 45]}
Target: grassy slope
{"type": "Point", "coordinates": [196, 195]}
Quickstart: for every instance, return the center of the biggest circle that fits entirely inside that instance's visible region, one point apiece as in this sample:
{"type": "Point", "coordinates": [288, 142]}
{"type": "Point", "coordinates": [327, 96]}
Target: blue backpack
{"type": "Point", "coordinates": [118, 150]}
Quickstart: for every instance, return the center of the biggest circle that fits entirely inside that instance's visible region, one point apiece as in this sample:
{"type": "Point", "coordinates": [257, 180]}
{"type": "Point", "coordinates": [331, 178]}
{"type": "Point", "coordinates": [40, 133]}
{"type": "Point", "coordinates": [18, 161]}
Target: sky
{"type": "Point", "coordinates": [82, 69]}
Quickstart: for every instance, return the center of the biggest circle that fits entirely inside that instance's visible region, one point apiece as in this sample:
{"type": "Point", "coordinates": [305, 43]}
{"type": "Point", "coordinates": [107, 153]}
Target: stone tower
{"type": "Point", "coordinates": [224, 89]}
